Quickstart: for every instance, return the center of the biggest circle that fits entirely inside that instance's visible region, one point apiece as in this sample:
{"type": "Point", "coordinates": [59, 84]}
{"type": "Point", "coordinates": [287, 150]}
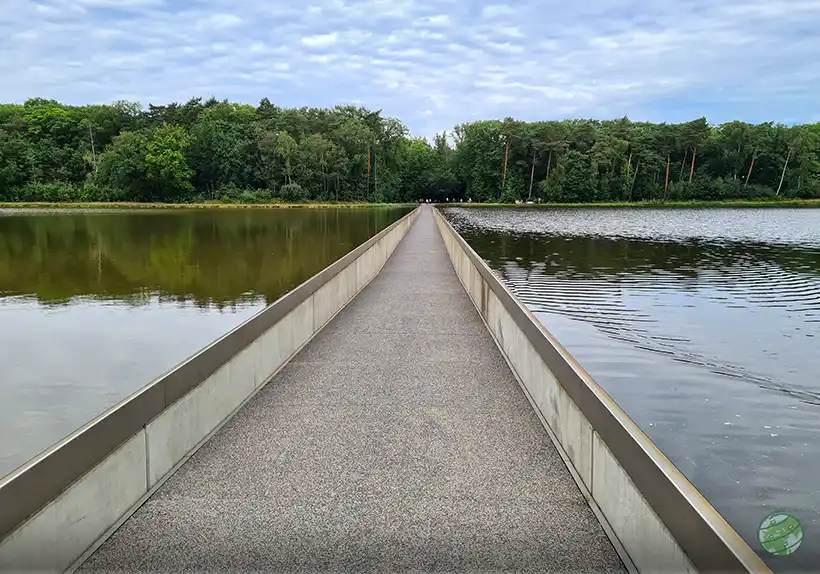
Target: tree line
{"type": "Point", "coordinates": [217, 150]}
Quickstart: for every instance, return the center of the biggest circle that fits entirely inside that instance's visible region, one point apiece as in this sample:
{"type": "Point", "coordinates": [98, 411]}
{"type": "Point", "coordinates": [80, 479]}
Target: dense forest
{"type": "Point", "coordinates": [221, 151]}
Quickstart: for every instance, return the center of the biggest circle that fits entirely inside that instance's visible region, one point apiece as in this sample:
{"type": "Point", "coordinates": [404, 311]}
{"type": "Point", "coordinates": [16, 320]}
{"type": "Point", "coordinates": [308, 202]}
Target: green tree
{"type": "Point", "coordinates": [168, 171]}
{"type": "Point", "coordinates": [218, 151]}
{"type": "Point", "coordinates": [285, 149]}
{"type": "Point", "coordinates": [123, 166]}
{"type": "Point", "coordinates": [148, 165]}
{"type": "Point", "coordinates": [577, 185]}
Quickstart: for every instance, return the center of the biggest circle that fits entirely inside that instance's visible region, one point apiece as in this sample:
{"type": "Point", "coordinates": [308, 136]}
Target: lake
{"type": "Point", "coordinates": [96, 304]}
{"type": "Point", "coordinates": [703, 324]}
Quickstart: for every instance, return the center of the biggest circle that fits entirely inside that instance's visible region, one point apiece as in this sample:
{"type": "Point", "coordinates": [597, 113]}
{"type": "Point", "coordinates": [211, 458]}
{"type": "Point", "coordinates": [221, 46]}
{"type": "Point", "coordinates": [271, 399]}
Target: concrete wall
{"type": "Point", "coordinates": [637, 526]}
{"type": "Point", "coordinates": [54, 537]}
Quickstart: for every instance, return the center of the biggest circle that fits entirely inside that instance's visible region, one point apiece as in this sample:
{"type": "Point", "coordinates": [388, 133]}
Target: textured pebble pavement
{"type": "Point", "coordinates": [398, 439]}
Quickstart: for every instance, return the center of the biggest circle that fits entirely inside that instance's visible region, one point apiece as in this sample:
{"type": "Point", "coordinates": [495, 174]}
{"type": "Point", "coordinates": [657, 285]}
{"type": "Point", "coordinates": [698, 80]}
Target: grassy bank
{"type": "Point", "coordinates": [214, 205]}
{"type": "Point", "coordinates": [354, 205]}
{"type": "Point", "coordinates": [660, 204]}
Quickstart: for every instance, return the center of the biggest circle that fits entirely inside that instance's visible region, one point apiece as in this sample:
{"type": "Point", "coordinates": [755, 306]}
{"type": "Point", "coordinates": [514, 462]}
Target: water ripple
{"type": "Point", "coordinates": [703, 324]}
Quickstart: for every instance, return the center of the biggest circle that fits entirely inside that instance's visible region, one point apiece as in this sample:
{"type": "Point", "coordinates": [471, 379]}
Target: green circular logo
{"type": "Point", "coordinates": [780, 533]}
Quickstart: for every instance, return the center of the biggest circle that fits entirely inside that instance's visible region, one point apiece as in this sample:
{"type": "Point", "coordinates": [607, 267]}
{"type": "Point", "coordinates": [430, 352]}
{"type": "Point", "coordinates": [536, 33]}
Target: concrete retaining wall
{"type": "Point", "coordinates": [654, 513]}
{"type": "Point", "coordinates": [58, 505]}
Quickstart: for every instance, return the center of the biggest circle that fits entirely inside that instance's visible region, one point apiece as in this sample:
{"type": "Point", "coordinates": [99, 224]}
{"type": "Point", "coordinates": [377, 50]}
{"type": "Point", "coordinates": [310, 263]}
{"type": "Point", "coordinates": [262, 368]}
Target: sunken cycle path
{"type": "Point", "coordinates": [397, 439]}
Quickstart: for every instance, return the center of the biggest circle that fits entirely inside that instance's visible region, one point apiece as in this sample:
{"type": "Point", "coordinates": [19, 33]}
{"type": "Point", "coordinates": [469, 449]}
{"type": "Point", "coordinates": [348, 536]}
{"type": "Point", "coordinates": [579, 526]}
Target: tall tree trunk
{"type": "Point", "coordinates": [367, 186]}
{"type": "Point", "coordinates": [751, 167]}
{"type": "Point", "coordinates": [783, 175]}
{"type": "Point", "coordinates": [692, 171]}
{"type": "Point", "coordinates": [739, 147]}
{"type": "Point", "coordinates": [683, 164]}
{"type": "Point", "coordinates": [634, 177]}
{"type": "Point", "coordinates": [93, 151]}
{"type": "Point", "coordinates": [549, 161]}
{"type": "Point", "coordinates": [666, 183]}
{"type": "Point", "coordinates": [532, 175]}
{"type": "Point", "coordinates": [375, 178]}
{"type": "Point", "coordinates": [506, 154]}
{"type": "Point", "coordinates": [324, 179]}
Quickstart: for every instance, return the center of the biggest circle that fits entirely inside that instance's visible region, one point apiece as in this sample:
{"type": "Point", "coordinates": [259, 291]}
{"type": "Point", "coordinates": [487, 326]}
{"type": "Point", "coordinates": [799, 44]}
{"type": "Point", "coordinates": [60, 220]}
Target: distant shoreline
{"type": "Point", "coordinates": [215, 205]}
{"type": "Point", "coordinates": [654, 204]}
{"type": "Point", "coordinates": [809, 203]}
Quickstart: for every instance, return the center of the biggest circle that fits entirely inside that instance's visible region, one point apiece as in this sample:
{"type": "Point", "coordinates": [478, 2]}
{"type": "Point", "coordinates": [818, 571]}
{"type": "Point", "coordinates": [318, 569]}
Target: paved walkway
{"type": "Point", "coordinates": [397, 439]}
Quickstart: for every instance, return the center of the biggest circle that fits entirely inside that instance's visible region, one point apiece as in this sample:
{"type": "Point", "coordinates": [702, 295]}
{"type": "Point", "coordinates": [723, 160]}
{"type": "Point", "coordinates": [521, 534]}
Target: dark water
{"type": "Point", "coordinates": [704, 325]}
{"type": "Point", "coordinates": [94, 305]}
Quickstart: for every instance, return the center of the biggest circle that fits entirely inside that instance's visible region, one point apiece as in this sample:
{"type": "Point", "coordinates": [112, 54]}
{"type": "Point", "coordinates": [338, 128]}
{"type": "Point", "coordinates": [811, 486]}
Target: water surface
{"type": "Point", "coordinates": [704, 325]}
{"type": "Point", "coordinates": [96, 304]}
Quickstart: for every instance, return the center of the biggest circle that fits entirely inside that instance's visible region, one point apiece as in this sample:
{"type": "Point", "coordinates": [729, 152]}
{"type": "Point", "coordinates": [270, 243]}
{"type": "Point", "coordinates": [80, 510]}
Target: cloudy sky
{"type": "Point", "coordinates": [432, 63]}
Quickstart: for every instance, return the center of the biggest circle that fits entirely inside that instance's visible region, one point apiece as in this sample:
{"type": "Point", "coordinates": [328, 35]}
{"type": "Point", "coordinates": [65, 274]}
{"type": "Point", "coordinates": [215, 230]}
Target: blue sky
{"type": "Point", "coordinates": [432, 63]}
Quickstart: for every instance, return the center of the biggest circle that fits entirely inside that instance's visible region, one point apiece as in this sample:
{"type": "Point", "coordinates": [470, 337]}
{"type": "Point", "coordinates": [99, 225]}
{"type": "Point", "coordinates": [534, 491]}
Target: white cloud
{"type": "Point", "coordinates": [494, 10]}
{"type": "Point", "coordinates": [321, 40]}
{"type": "Point", "coordinates": [322, 58]}
{"type": "Point", "coordinates": [432, 63]}
{"type": "Point", "coordinates": [26, 36]}
{"type": "Point", "coordinates": [506, 47]}
{"type": "Point", "coordinates": [437, 20]}
{"type": "Point", "coordinates": [46, 10]}
{"type": "Point", "coordinates": [511, 31]}
{"type": "Point", "coordinates": [220, 20]}
{"type": "Point", "coordinates": [405, 53]}
{"type": "Point", "coordinates": [118, 3]}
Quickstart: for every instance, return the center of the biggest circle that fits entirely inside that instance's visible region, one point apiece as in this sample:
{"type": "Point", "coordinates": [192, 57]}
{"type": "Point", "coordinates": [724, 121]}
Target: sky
{"type": "Point", "coordinates": [431, 63]}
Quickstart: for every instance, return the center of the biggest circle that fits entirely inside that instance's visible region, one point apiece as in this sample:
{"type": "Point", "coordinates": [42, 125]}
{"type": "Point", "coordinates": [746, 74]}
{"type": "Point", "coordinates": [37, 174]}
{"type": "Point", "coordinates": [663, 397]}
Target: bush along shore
{"type": "Point", "coordinates": [191, 205]}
